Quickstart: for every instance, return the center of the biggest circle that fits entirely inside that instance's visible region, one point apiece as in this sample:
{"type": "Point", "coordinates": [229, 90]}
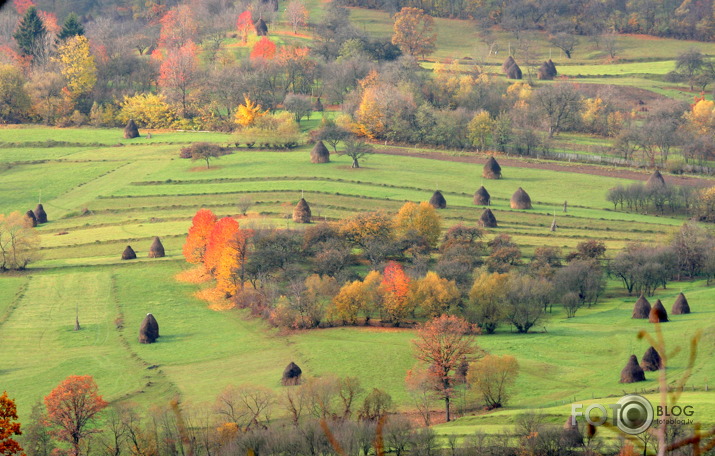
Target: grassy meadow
{"type": "Point", "coordinates": [100, 197]}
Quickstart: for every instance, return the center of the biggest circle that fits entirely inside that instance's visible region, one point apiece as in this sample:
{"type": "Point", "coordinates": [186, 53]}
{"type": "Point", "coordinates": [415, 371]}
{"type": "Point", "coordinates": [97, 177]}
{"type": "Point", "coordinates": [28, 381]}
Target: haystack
{"type": "Point", "coordinates": [157, 248]}
{"type": "Point", "coordinates": [301, 213]}
{"type": "Point", "coordinates": [149, 330]}
{"type": "Point", "coordinates": [291, 375]}
{"type": "Point", "coordinates": [641, 309]}
{"type": "Point", "coordinates": [128, 253]}
{"type": "Point", "coordinates": [681, 305]}
{"type": "Point", "coordinates": [482, 197]}
{"type": "Point", "coordinates": [487, 219]}
{"type": "Point", "coordinates": [318, 106]}
{"type": "Point", "coordinates": [658, 313]}
{"type": "Point", "coordinates": [547, 71]}
{"type": "Point", "coordinates": [508, 63]}
{"type": "Point", "coordinates": [632, 372]}
{"type": "Point", "coordinates": [655, 180]}
{"type": "Point", "coordinates": [552, 67]}
{"type": "Point", "coordinates": [40, 214]}
{"type": "Point", "coordinates": [261, 27]}
{"type": "Point", "coordinates": [31, 219]}
{"type": "Point", "coordinates": [520, 199]}
{"type": "Point", "coordinates": [571, 434]}
{"type": "Point", "coordinates": [514, 72]}
{"type": "Point", "coordinates": [320, 153]}
{"type": "Point", "coordinates": [651, 360]}
{"type": "Point", "coordinates": [492, 170]}
{"type": "Point", "coordinates": [437, 201]}
{"type": "Point", "coordinates": [131, 130]}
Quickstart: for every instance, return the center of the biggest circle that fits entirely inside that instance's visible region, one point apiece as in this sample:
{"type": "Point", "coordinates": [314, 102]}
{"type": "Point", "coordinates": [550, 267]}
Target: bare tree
{"type": "Point", "coordinates": [296, 14]}
{"type": "Point", "coordinates": [567, 42]}
{"type": "Point", "coordinates": [559, 103]}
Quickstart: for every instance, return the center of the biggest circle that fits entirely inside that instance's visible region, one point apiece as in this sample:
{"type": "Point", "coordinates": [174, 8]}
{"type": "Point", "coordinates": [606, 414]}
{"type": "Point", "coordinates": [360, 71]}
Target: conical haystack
{"type": "Point", "coordinates": [157, 248]}
{"type": "Point", "coordinates": [437, 201]}
{"type": "Point", "coordinates": [655, 180]}
{"type": "Point", "coordinates": [128, 253]}
{"type": "Point", "coordinates": [641, 309]}
{"type": "Point", "coordinates": [658, 313]}
{"type": "Point", "coordinates": [30, 219]}
{"type": "Point", "coordinates": [149, 330]}
{"type": "Point", "coordinates": [291, 375]}
{"type": "Point", "coordinates": [632, 372]}
{"type": "Point", "coordinates": [131, 130]}
{"type": "Point", "coordinates": [520, 199]}
{"type": "Point", "coordinates": [547, 71]}
{"type": "Point", "coordinates": [492, 170]}
{"type": "Point", "coordinates": [318, 106]}
{"type": "Point", "coordinates": [508, 63]}
{"type": "Point", "coordinates": [482, 197]}
{"type": "Point", "coordinates": [552, 67]}
{"type": "Point", "coordinates": [40, 214]}
{"type": "Point", "coordinates": [320, 153]}
{"type": "Point", "coordinates": [651, 360]}
{"type": "Point", "coordinates": [514, 72]}
{"type": "Point", "coordinates": [301, 212]}
{"type": "Point", "coordinates": [487, 219]}
{"type": "Point", "coordinates": [681, 305]}
{"type": "Point", "coordinates": [261, 27]}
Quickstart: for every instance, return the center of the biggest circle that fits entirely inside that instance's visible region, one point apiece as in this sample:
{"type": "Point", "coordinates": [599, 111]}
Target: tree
{"type": "Point", "coordinates": [36, 434]}
{"type": "Point", "coordinates": [19, 243]}
{"type": "Point", "coordinates": [9, 427]}
{"type": "Point", "coordinates": [30, 35]}
{"type": "Point", "coordinates": [357, 150]}
{"type": "Point", "coordinates": [585, 278]}
{"type": "Point", "coordinates": [394, 289]}
{"type": "Point", "coordinates": [204, 151]}
{"type": "Point", "coordinates": [248, 112]}
{"type": "Point", "coordinates": [178, 27]}
{"type": "Point", "coordinates": [422, 219]}
{"type": "Point", "coordinates": [331, 133]}
{"type": "Point", "coordinates": [297, 14]}
{"type": "Point", "coordinates": [148, 110]}
{"type": "Point", "coordinates": [559, 103]}
{"type": "Point", "coordinates": [71, 409]}
{"type": "Point", "coordinates": [504, 254]}
{"type": "Point", "coordinates": [433, 294]}
{"type": "Point", "coordinates": [689, 64]}
{"type": "Point", "coordinates": [526, 301]}
{"type": "Point", "coordinates": [298, 105]}
{"type": "Point", "coordinates": [486, 300]}
{"type": "Point", "coordinates": [414, 32]}
{"type": "Point", "coordinates": [247, 407]}
{"type": "Point", "coordinates": [244, 24]}
{"type": "Point", "coordinates": [179, 73]}
{"type": "Point", "coordinates": [492, 376]}
{"type": "Point", "coordinates": [14, 101]}
{"type": "Point", "coordinates": [71, 28]}
{"type": "Point", "coordinates": [643, 268]}
{"type": "Point", "coordinates": [264, 49]}
{"type": "Point", "coordinates": [442, 344]}
{"type": "Point", "coordinates": [588, 250]}
{"type": "Point", "coordinates": [567, 42]}
{"type": "Point", "coordinates": [480, 127]}
{"type": "Point", "coordinates": [226, 255]}
{"type": "Point", "coordinates": [196, 241]}
{"type": "Point", "coordinates": [77, 65]}
{"type": "Point", "coordinates": [357, 297]}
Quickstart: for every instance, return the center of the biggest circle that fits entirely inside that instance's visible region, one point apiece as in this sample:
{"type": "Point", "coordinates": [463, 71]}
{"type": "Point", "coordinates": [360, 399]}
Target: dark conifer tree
{"type": "Point", "coordinates": [30, 34]}
{"type": "Point", "coordinates": [72, 27]}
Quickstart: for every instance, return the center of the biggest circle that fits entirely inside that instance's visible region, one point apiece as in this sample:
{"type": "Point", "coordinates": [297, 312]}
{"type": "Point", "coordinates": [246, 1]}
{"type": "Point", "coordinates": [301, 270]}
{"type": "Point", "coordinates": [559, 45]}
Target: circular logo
{"type": "Point", "coordinates": [635, 414]}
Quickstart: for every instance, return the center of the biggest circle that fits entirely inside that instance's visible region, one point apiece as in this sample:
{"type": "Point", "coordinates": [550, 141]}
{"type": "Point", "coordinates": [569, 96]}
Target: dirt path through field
{"type": "Point", "coordinates": [620, 173]}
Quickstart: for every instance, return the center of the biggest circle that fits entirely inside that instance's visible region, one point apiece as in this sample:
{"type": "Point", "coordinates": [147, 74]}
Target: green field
{"type": "Point", "coordinates": [102, 198]}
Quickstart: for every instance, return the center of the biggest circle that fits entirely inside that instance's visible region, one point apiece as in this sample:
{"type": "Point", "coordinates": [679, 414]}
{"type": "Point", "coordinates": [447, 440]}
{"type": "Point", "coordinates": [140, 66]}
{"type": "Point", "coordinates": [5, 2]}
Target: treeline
{"type": "Point", "coordinates": [640, 197]}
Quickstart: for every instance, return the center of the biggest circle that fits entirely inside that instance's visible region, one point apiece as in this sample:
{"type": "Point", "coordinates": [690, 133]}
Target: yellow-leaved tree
{"type": "Point", "coordinates": [414, 32]}
{"type": "Point", "coordinates": [248, 112]}
{"type": "Point", "coordinates": [421, 218]}
{"type": "Point", "coordinates": [702, 116]}
{"type": "Point", "coordinates": [148, 110]}
{"type": "Point", "coordinates": [433, 295]}
{"type": "Point", "coordinates": [479, 129]}
{"type": "Point", "coordinates": [77, 66]}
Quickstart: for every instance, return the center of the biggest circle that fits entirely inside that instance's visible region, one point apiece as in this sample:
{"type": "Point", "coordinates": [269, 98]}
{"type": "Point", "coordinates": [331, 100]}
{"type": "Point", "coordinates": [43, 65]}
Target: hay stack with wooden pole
{"type": "Point", "coordinates": [507, 64]}
{"type": "Point", "coordinates": [131, 130]}
{"type": "Point", "coordinates": [301, 212]}
{"type": "Point", "coordinates": [157, 248]}
{"type": "Point", "coordinates": [291, 375]}
{"type": "Point", "coordinates": [547, 71]}
{"type": "Point", "coordinates": [655, 180]}
{"type": "Point", "coordinates": [632, 372]}
{"type": "Point", "coordinates": [487, 219]}
{"type": "Point", "coordinates": [129, 253]}
{"type": "Point", "coordinates": [40, 214]}
{"type": "Point", "coordinates": [30, 219]}
{"type": "Point", "coordinates": [514, 72]}
{"type": "Point", "coordinates": [491, 170]}
{"type": "Point", "coordinates": [520, 200]}
{"type": "Point", "coordinates": [149, 330]}
{"type": "Point", "coordinates": [681, 306]}
{"type": "Point", "coordinates": [658, 314]}
{"type": "Point", "coordinates": [437, 201]}
{"type": "Point", "coordinates": [651, 360]}
{"type": "Point", "coordinates": [261, 27]}
{"type": "Point", "coordinates": [320, 153]}
{"type": "Point", "coordinates": [482, 197]}
{"type": "Point", "coordinates": [641, 309]}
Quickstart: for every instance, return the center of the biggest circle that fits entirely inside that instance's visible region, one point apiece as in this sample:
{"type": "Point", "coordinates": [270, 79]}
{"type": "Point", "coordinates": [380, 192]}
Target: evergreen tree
{"type": "Point", "coordinates": [72, 27]}
{"type": "Point", "coordinates": [30, 34]}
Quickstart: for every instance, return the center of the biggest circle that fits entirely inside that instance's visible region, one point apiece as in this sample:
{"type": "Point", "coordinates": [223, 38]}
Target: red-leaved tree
{"type": "Point", "coordinates": [226, 254]}
{"type": "Point", "coordinates": [394, 288]}
{"type": "Point", "coordinates": [179, 73]}
{"type": "Point", "coordinates": [71, 409]}
{"type": "Point", "coordinates": [178, 27]}
{"type": "Point", "coordinates": [264, 49]}
{"type": "Point", "coordinates": [443, 344]}
{"type": "Point", "coordinates": [9, 427]}
{"type": "Point", "coordinates": [244, 24]}
{"type": "Point", "coordinates": [198, 237]}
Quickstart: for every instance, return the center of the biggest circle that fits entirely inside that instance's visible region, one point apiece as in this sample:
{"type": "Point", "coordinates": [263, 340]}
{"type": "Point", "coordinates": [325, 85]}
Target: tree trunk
{"type": "Point", "coordinates": [355, 163]}
{"type": "Point", "coordinates": [446, 406]}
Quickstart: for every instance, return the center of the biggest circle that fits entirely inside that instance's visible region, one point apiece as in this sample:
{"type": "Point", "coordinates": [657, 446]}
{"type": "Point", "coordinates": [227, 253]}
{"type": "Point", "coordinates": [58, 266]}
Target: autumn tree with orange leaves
{"type": "Point", "coordinates": [443, 343]}
{"type": "Point", "coordinates": [244, 24]}
{"type": "Point", "coordinates": [226, 254]}
{"type": "Point", "coordinates": [71, 409]}
{"type": "Point", "coordinates": [264, 49]}
{"type": "Point", "coordinates": [394, 289]}
{"type": "Point", "coordinates": [178, 27]}
{"type": "Point", "coordinates": [179, 72]}
{"type": "Point", "coordinates": [9, 427]}
{"type": "Point", "coordinates": [198, 237]}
